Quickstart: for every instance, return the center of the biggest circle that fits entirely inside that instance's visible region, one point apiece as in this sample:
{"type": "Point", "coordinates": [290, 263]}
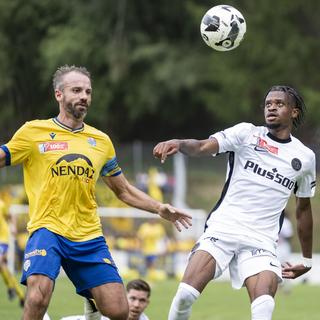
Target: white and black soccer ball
{"type": "Point", "coordinates": [223, 27]}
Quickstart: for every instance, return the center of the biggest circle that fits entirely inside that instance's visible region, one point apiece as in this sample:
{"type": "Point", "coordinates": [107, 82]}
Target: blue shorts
{"type": "Point", "coordinates": [88, 264]}
{"type": "Point", "coordinates": [151, 258]}
{"type": "Point", "coordinates": [3, 249]}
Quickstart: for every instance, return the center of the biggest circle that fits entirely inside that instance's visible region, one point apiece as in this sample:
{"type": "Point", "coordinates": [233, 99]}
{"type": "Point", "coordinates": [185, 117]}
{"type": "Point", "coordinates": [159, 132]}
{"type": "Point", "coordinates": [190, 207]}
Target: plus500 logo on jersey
{"type": "Point", "coordinates": [271, 175]}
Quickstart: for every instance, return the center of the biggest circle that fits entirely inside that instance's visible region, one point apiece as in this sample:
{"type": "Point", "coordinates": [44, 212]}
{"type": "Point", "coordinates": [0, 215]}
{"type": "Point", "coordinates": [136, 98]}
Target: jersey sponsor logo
{"type": "Point", "coordinates": [36, 252]}
{"type": "Point", "coordinates": [296, 164]}
{"type": "Point", "coordinates": [74, 156]}
{"type": "Point", "coordinates": [273, 175]}
{"type": "Point", "coordinates": [258, 252]}
{"type": "Point", "coordinates": [263, 146]}
{"type": "Point", "coordinates": [53, 146]}
{"type": "Point", "coordinates": [71, 164]}
{"type": "Point", "coordinates": [261, 252]}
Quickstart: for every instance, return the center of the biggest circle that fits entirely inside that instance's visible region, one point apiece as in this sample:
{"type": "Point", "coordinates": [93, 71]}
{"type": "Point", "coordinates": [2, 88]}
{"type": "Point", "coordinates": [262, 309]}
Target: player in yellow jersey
{"type": "Point", "coordinates": [62, 159]}
{"type": "Point", "coordinates": [152, 236]}
{"type": "Point", "coordinates": [9, 279]}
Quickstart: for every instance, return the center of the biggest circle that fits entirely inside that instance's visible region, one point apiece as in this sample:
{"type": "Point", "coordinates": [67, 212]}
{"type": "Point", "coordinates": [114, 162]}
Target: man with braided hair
{"type": "Point", "coordinates": [266, 165]}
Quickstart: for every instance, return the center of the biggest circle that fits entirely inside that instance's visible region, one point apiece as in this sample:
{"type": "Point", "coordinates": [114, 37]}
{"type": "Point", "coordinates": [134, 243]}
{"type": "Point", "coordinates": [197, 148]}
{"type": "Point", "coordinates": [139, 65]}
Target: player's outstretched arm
{"type": "Point", "coordinates": [304, 227]}
{"type": "Point", "coordinates": [190, 147]}
{"type": "Point", "coordinates": [138, 199]}
{"type": "Point", "coordinates": [2, 158]}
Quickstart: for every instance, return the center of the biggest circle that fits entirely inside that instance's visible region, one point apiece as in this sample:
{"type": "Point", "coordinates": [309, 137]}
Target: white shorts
{"type": "Point", "coordinates": [244, 256]}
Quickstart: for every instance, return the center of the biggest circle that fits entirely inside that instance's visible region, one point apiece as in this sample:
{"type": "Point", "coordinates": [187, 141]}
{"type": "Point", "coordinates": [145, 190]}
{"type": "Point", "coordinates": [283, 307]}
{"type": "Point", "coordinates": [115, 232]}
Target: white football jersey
{"type": "Point", "coordinates": [262, 173]}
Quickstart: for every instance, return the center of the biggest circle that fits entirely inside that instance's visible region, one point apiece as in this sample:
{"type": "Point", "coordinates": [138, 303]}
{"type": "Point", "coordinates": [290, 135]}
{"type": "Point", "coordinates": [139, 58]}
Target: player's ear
{"type": "Point", "coordinates": [295, 113]}
{"type": "Point", "coordinates": [58, 94]}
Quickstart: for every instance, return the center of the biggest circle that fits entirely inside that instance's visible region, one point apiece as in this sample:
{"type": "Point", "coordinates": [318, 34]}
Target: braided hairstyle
{"type": "Point", "coordinates": [295, 99]}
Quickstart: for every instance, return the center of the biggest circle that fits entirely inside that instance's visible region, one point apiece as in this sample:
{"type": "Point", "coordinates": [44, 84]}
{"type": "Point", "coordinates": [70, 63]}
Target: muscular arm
{"type": "Point", "coordinates": [2, 158]}
{"type": "Point", "coordinates": [190, 147]}
{"type": "Point", "coordinates": [304, 225]}
{"type": "Point", "coordinates": [138, 199]}
{"type": "Point", "coordinates": [130, 194]}
{"type": "Point", "coordinates": [304, 228]}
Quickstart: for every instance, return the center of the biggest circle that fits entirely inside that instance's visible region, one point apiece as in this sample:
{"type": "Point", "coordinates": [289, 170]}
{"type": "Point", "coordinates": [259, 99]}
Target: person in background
{"type": "Point", "coordinates": [266, 165]}
{"type": "Point", "coordinates": [13, 288]}
{"type": "Point", "coordinates": [138, 295]}
{"type": "Point", "coordinates": [152, 237]}
{"type": "Point", "coordinates": [284, 248]}
{"type": "Point", "coordinates": [62, 158]}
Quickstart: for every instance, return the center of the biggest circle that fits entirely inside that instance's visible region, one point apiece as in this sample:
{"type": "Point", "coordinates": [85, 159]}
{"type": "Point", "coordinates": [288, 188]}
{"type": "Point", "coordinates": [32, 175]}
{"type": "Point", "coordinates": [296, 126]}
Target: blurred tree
{"type": "Point", "coordinates": [23, 25]}
{"type": "Point", "coordinates": [153, 75]}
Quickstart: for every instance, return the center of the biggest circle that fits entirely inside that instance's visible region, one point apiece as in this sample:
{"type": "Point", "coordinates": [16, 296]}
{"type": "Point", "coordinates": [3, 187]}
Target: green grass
{"type": "Point", "coordinates": [218, 302]}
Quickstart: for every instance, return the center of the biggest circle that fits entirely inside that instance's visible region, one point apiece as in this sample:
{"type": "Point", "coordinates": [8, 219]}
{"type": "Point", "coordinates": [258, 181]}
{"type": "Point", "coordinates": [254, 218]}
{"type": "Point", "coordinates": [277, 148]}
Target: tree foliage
{"type": "Point", "coordinates": [153, 76]}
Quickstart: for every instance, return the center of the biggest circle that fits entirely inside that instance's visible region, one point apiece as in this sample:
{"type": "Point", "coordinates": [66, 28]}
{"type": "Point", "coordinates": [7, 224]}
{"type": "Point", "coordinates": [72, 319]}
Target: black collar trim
{"type": "Point", "coordinates": [60, 124]}
{"type": "Point", "coordinates": [271, 136]}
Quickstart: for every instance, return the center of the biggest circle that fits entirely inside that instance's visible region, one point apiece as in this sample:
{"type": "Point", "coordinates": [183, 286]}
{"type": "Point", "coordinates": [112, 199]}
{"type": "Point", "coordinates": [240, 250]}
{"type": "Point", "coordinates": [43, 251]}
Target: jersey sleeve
{"type": "Point", "coordinates": [111, 167]}
{"type": "Point", "coordinates": [232, 138]}
{"type": "Point", "coordinates": [18, 149]}
{"type": "Point", "coordinates": [306, 184]}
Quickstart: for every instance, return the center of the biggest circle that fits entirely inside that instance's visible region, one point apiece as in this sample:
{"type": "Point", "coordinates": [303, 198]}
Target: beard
{"type": "Point", "coordinates": [273, 125]}
{"type": "Point", "coordinates": [77, 113]}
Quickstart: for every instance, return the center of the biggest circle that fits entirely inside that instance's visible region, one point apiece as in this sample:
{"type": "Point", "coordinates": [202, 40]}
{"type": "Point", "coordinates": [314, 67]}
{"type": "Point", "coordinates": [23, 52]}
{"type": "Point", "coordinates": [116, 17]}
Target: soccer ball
{"type": "Point", "coordinates": [223, 27]}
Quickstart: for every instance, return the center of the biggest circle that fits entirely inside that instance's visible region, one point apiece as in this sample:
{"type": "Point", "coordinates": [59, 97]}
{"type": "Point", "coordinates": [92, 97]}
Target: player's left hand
{"type": "Point", "coordinates": [176, 216]}
{"type": "Point", "coordinates": [291, 272]}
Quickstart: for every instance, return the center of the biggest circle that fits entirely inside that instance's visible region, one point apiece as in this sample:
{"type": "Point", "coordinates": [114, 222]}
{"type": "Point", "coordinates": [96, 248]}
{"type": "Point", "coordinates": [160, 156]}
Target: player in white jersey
{"type": "Point", "coordinates": [266, 164]}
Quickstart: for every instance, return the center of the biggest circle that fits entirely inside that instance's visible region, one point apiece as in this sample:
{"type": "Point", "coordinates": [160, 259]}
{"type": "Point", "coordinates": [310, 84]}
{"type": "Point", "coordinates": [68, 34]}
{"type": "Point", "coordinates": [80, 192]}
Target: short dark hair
{"type": "Point", "coordinates": [296, 100]}
{"type": "Point", "coordinates": [57, 78]}
{"type": "Point", "coordinates": [139, 285]}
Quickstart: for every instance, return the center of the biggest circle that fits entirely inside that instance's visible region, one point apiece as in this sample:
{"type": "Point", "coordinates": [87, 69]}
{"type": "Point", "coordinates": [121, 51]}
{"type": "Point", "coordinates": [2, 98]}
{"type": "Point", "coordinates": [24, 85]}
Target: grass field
{"type": "Point", "coordinates": [218, 302]}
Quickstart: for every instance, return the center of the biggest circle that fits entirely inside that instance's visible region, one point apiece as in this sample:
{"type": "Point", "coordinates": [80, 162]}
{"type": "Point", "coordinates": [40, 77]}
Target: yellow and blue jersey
{"type": "Point", "coordinates": [61, 167]}
{"type": "Point", "coordinates": [151, 235]}
{"type": "Point", "coordinates": [4, 227]}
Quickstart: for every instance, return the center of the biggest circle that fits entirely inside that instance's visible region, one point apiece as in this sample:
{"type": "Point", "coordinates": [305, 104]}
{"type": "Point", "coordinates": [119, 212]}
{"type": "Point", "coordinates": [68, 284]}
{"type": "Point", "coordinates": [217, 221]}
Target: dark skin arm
{"type": "Point", "coordinates": [190, 147]}
{"type": "Point", "coordinates": [304, 228]}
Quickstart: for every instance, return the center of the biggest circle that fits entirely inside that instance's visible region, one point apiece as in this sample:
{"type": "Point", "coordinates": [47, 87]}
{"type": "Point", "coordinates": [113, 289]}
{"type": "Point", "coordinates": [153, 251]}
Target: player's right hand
{"type": "Point", "coordinates": [166, 148]}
